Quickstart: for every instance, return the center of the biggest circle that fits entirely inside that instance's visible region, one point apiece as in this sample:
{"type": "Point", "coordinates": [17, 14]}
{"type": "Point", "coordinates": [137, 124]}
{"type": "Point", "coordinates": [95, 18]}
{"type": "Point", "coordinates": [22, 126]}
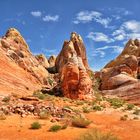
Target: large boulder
{"type": "Point", "coordinates": [73, 68]}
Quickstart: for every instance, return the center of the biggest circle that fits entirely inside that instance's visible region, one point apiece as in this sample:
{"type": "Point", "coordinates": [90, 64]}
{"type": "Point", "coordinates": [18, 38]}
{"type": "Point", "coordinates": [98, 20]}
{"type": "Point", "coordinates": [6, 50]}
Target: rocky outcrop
{"type": "Point", "coordinates": [129, 92]}
{"type": "Point", "coordinates": [130, 57]}
{"type": "Point", "coordinates": [52, 60]}
{"type": "Point", "coordinates": [42, 60]}
{"type": "Point", "coordinates": [121, 75]}
{"type": "Point", "coordinates": [73, 67]}
{"type": "Point", "coordinates": [15, 48]}
{"type": "Point", "coordinates": [126, 65]}
{"type": "Point", "coordinates": [20, 71]}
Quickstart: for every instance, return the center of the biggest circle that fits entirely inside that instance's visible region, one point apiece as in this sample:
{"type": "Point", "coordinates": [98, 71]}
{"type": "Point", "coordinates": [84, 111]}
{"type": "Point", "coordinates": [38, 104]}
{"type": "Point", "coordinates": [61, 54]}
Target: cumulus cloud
{"type": "Point", "coordinates": [102, 50]}
{"type": "Point", "coordinates": [88, 16]}
{"type": "Point", "coordinates": [48, 18]}
{"type": "Point", "coordinates": [116, 49]}
{"type": "Point", "coordinates": [99, 37]}
{"type": "Point", "coordinates": [99, 53]}
{"type": "Point", "coordinates": [36, 13]}
{"type": "Point", "coordinates": [129, 29]}
{"type": "Point", "coordinates": [132, 25]}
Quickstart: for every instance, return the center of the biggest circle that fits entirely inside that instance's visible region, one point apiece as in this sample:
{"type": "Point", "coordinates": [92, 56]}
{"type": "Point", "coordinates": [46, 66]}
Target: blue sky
{"type": "Point", "coordinates": [105, 25]}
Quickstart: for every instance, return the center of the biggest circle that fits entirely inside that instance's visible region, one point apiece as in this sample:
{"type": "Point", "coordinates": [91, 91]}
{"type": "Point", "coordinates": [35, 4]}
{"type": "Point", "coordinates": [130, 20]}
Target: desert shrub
{"type": "Point", "coordinates": [6, 99]}
{"type": "Point", "coordinates": [79, 103]}
{"type": "Point", "coordinates": [39, 95]}
{"type": "Point", "coordinates": [2, 116]}
{"type": "Point", "coordinates": [135, 118]}
{"type": "Point", "coordinates": [136, 112]}
{"type": "Point", "coordinates": [35, 125]}
{"type": "Point", "coordinates": [124, 117]}
{"type": "Point", "coordinates": [130, 106]}
{"type": "Point", "coordinates": [96, 86]}
{"type": "Point", "coordinates": [97, 108]}
{"type": "Point", "coordinates": [44, 114]}
{"type": "Point", "coordinates": [50, 81]}
{"type": "Point", "coordinates": [95, 134]}
{"type": "Point", "coordinates": [86, 110]}
{"type": "Point", "coordinates": [64, 126]}
{"type": "Point", "coordinates": [55, 128]}
{"type": "Point", "coordinates": [80, 122]}
{"type": "Point", "coordinates": [115, 102]}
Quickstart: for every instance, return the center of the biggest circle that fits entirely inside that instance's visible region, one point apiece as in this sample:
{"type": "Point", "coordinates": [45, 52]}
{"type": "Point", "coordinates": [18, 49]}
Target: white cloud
{"type": "Point", "coordinates": [99, 37]}
{"type": "Point", "coordinates": [116, 17]}
{"type": "Point", "coordinates": [104, 21]}
{"type": "Point", "coordinates": [126, 12]}
{"type": "Point", "coordinates": [120, 37]}
{"type": "Point", "coordinates": [116, 49]}
{"type": "Point", "coordinates": [51, 18]}
{"type": "Point", "coordinates": [129, 29]}
{"type": "Point", "coordinates": [134, 35]}
{"type": "Point", "coordinates": [88, 16]}
{"type": "Point", "coordinates": [36, 13]}
{"type": "Point", "coordinates": [132, 25]}
{"type": "Point", "coordinates": [101, 51]}
{"type": "Point", "coordinates": [118, 32]}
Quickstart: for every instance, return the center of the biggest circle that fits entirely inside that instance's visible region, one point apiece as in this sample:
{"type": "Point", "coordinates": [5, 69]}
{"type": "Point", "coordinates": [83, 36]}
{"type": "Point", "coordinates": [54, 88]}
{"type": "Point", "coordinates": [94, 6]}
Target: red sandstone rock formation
{"type": "Point", "coordinates": [120, 76]}
{"type": "Point", "coordinates": [42, 60]}
{"type": "Point", "coordinates": [73, 67]}
{"type": "Point", "coordinates": [18, 51]}
{"type": "Point", "coordinates": [20, 71]}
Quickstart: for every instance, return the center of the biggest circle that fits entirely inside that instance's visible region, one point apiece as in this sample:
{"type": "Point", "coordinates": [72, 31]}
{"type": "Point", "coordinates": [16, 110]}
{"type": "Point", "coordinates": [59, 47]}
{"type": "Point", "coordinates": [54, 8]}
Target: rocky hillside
{"type": "Point", "coordinates": [121, 76]}
{"type": "Point", "coordinates": [21, 72]}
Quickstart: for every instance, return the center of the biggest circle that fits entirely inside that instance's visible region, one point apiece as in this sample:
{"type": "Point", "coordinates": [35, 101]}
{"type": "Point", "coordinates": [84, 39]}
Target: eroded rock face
{"type": "Point", "coordinates": [73, 67]}
{"type": "Point", "coordinates": [126, 65]}
{"type": "Point", "coordinates": [42, 60]}
{"type": "Point", "coordinates": [52, 60]}
{"type": "Point", "coordinates": [15, 48]}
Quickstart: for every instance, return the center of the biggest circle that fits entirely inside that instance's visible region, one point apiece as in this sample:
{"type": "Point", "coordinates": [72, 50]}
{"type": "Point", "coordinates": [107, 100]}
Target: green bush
{"type": "Point", "coordinates": [95, 134]}
{"type": "Point", "coordinates": [130, 106]}
{"type": "Point", "coordinates": [39, 95]}
{"type": "Point", "coordinates": [35, 125]}
{"type": "Point", "coordinates": [2, 116]}
{"type": "Point", "coordinates": [50, 81]}
{"type": "Point", "coordinates": [55, 128]}
{"type": "Point", "coordinates": [86, 110]}
{"type": "Point", "coordinates": [115, 102]}
{"type": "Point", "coordinates": [64, 126]}
{"type": "Point", "coordinates": [124, 118]}
{"type": "Point", "coordinates": [136, 112]}
{"type": "Point", "coordinates": [80, 122]}
{"type": "Point", "coordinates": [79, 102]}
{"type": "Point", "coordinates": [6, 99]}
{"type": "Point", "coordinates": [97, 108]}
{"type": "Point", "coordinates": [44, 114]}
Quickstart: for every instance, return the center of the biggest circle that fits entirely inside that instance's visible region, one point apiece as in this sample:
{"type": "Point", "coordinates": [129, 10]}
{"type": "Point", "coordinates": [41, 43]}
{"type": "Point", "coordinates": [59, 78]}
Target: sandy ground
{"type": "Point", "coordinates": [17, 128]}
